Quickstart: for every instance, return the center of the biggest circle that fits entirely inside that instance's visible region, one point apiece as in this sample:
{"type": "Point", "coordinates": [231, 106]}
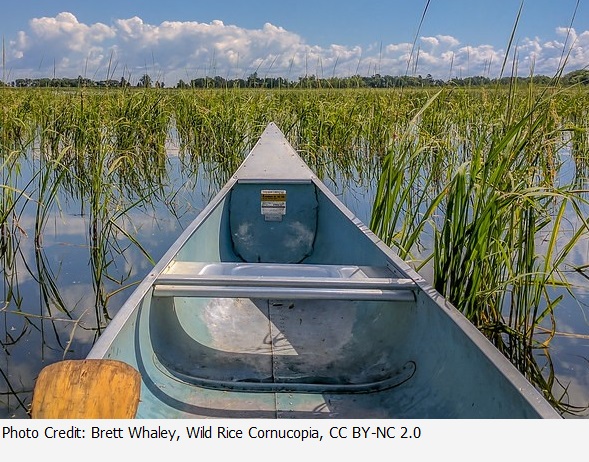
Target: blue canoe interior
{"type": "Point", "coordinates": [277, 302]}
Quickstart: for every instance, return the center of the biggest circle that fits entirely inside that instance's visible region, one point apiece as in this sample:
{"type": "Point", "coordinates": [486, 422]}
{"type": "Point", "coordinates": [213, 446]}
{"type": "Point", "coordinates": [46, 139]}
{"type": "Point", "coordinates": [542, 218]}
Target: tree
{"type": "Point", "coordinates": [144, 81]}
{"type": "Point", "coordinates": [577, 77]}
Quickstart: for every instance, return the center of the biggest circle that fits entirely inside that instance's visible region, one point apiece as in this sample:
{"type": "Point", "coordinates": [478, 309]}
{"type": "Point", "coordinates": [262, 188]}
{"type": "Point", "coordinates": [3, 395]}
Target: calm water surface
{"type": "Point", "coordinates": [49, 310]}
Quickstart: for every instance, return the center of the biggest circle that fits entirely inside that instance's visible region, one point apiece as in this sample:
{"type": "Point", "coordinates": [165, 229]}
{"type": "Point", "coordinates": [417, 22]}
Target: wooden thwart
{"type": "Point", "coordinates": [87, 389]}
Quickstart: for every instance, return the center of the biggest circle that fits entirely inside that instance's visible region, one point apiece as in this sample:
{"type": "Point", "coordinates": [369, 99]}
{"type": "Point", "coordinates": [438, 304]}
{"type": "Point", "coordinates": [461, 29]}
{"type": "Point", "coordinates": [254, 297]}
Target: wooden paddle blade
{"type": "Point", "coordinates": [87, 389]}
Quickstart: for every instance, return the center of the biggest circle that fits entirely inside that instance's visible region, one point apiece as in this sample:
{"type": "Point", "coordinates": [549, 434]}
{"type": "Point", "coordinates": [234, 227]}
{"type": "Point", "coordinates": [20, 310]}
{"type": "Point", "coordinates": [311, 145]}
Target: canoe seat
{"type": "Point", "coordinates": [282, 281]}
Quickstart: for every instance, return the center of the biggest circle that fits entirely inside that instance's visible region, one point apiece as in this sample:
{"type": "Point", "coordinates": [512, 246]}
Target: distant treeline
{"type": "Point", "coordinates": [254, 81]}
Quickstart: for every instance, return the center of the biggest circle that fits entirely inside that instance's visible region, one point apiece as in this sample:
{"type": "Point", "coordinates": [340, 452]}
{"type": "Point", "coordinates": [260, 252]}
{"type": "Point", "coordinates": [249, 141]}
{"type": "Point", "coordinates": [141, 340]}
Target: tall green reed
{"type": "Point", "coordinates": [79, 149]}
{"type": "Point", "coordinates": [492, 212]}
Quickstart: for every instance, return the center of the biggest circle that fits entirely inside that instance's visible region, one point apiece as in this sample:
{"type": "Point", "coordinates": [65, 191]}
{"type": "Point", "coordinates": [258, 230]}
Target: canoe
{"type": "Point", "coordinates": [277, 302]}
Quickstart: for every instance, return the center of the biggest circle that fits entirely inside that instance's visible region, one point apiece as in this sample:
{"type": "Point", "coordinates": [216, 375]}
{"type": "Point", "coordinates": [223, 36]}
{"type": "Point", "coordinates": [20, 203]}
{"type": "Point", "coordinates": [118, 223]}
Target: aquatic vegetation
{"type": "Point", "coordinates": [482, 186]}
{"type": "Point", "coordinates": [474, 186]}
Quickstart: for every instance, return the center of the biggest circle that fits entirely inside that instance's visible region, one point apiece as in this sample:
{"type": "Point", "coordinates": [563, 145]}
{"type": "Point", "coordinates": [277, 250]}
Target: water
{"type": "Point", "coordinates": [42, 282]}
{"type": "Point", "coordinates": [50, 309]}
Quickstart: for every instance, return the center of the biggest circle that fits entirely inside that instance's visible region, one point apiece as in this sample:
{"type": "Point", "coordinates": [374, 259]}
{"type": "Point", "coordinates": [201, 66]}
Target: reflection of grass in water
{"type": "Point", "coordinates": [579, 129]}
{"type": "Point", "coordinates": [12, 393]}
{"type": "Point", "coordinates": [74, 156]}
{"type": "Point", "coordinates": [474, 172]}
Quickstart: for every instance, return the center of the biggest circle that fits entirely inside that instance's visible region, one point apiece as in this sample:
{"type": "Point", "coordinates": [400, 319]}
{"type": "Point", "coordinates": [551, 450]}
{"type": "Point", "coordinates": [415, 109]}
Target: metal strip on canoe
{"type": "Point", "coordinates": [268, 281]}
{"type": "Point", "coordinates": [288, 293]}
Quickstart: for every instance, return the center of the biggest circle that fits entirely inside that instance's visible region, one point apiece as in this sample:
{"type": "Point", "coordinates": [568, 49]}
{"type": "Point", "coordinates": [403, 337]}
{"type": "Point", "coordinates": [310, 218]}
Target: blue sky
{"type": "Point", "coordinates": [172, 39]}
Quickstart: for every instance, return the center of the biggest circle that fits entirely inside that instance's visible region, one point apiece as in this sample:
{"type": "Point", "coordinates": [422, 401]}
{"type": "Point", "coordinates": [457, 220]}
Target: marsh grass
{"type": "Point", "coordinates": [75, 145]}
{"type": "Point", "coordinates": [469, 184]}
{"type": "Point", "coordinates": [489, 197]}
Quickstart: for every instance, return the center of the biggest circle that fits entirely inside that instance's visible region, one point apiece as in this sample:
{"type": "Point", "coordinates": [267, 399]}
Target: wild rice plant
{"type": "Point", "coordinates": [470, 181]}
{"type": "Point", "coordinates": [496, 221]}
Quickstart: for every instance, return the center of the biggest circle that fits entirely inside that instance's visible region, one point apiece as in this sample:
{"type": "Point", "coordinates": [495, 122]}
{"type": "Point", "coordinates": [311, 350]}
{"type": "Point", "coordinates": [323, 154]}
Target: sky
{"type": "Point", "coordinates": [172, 39]}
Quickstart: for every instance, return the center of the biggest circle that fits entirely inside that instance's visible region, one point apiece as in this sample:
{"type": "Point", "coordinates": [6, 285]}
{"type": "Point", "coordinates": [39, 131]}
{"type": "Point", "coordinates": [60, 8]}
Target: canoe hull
{"type": "Point", "coordinates": [302, 312]}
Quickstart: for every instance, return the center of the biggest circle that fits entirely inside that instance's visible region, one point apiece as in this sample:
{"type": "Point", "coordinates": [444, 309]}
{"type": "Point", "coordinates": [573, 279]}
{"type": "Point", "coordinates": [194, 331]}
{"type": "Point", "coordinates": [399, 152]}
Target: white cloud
{"type": "Point", "coordinates": [65, 29]}
{"type": "Point", "coordinates": [188, 49]}
{"type": "Point", "coordinates": [433, 41]}
{"type": "Point", "coordinates": [448, 40]}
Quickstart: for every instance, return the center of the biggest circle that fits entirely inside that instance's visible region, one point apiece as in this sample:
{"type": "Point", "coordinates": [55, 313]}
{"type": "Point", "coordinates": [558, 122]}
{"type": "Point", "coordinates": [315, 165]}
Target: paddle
{"type": "Point", "coordinates": [86, 389]}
